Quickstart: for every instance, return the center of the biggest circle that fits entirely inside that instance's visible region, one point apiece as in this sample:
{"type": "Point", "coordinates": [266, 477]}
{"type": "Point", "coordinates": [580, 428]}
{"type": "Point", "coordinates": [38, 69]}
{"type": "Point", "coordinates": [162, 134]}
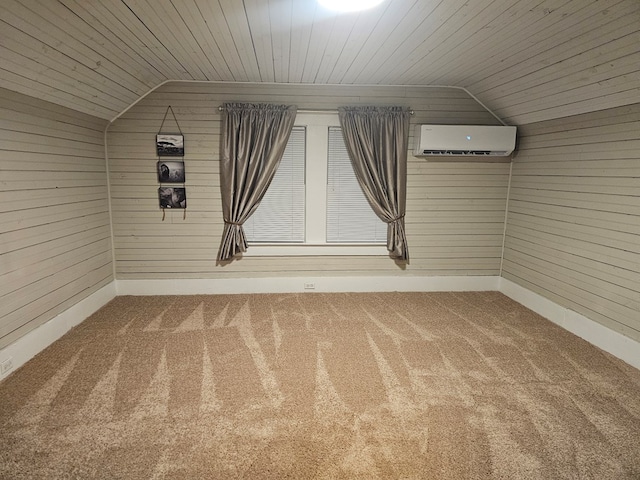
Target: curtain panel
{"type": "Point", "coordinates": [377, 140]}
{"type": "Point", "coordinates": [254, 138]}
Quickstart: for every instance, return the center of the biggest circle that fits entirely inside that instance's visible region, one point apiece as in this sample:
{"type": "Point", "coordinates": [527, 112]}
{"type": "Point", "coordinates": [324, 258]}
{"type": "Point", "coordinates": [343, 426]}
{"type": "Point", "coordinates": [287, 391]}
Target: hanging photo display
{"type": "Point", "coordinates": [170, 145]}
{"type": "Point", "coordinates": [171, 172]}
{"type": "Point", "coordinates": [172, 197]}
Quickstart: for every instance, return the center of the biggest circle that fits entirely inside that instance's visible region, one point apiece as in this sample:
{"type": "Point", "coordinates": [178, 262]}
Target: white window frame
{"type": "Point", "coordinates": [317, 126]}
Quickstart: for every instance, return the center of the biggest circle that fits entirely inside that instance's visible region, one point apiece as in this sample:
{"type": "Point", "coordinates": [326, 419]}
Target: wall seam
{"type": "Point", "coordinates": [108, 174]}
{"type": "Point", "coordinates": [506, 216]}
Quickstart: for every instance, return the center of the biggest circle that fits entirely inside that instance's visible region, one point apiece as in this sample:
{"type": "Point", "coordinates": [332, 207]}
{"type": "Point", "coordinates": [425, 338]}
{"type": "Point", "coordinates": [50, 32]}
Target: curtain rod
{"type": "Point", "coordinates": [315, 110]}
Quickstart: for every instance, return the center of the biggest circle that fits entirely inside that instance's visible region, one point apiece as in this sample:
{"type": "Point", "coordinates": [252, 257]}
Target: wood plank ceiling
{"type": "Point", "coordinates": [527, 60]}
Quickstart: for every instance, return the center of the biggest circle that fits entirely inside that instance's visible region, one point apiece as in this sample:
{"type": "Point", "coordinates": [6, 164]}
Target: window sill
{"type": "Point", "coordinates": [313, 250]}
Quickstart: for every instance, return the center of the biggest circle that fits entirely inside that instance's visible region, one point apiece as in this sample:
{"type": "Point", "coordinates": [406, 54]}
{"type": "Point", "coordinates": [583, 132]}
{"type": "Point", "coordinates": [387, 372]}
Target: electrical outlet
{"type": "Point", "coordinates": [309, 286]}
{"type": "Point", "coordinates": [6, 366]}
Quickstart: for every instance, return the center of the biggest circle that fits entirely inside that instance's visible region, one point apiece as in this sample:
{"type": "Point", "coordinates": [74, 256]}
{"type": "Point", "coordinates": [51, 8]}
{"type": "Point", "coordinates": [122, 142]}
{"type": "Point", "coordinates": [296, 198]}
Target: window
{"type": "Point", "coordinates": [314, 205]}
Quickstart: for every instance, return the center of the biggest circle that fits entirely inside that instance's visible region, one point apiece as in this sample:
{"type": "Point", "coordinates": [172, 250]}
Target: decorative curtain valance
{"type": "Point", "coordinates": [254, 137]}
{"type": "Point", "coordinates": [377, 140]}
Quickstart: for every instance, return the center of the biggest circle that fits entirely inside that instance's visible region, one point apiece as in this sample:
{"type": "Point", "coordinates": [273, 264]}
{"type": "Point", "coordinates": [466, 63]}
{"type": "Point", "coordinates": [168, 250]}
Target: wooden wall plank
{"type": "Point", "coordinates": [95, 276]}
{"type": "Point", "coordinates": [574, 220]}
{"type": "Point", "coordinates": [55, 235]}
{"type": "Point", "coordinates": [455, 216]}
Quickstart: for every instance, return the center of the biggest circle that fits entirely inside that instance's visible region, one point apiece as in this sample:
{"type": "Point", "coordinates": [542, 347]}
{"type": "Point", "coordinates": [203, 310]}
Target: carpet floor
{"type": "Point", "coordinates": [320, 386]}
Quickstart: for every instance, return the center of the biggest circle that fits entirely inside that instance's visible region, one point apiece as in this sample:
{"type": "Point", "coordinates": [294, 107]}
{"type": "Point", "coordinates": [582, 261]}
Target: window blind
{"type": "Point", "coordinates": [350, 218]}
{"type": "Point", "coordinates": [280, 215]}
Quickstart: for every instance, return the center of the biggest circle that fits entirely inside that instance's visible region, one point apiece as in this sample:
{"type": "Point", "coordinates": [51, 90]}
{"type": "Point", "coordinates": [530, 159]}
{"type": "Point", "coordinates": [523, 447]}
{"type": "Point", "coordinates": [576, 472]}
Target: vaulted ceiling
{"type": "Point", "coordinates": [526, 60]}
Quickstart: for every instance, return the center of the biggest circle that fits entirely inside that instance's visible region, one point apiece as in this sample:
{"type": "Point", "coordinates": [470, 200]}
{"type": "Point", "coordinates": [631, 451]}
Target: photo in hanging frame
{"type": "Point", "coordinates": [172, 197]}
{"type": "Point", "coordinates": [170, 171]}
{"type": "Point", "coordinates": [170, 145]}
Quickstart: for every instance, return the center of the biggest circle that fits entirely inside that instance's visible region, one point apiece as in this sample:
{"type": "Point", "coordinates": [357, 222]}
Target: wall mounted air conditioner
{"type": "Point", "coordinates": [432, 140]}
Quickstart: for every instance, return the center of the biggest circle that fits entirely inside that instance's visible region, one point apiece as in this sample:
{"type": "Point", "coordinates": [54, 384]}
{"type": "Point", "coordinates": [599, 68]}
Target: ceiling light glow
{"type": "Point", "coordinates": [349, 5]}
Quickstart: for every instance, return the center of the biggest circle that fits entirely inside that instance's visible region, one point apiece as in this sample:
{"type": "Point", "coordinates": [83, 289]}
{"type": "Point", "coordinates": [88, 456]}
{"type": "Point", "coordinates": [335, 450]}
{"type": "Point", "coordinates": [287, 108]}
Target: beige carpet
{"type": "Point", "coordinates": [320, 386]}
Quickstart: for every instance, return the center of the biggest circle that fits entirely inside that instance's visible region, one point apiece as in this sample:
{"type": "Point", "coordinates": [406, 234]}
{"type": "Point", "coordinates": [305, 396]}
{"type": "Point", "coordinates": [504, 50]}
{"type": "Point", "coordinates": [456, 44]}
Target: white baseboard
{"type": "Point", "coordinates": [297, 284]}
{"type": "Point", "coordinates": [37, 340]}
{"type": "Point", "coordinates": [28, 346]}
{"type": "Point", "coordinates": [625, 348]}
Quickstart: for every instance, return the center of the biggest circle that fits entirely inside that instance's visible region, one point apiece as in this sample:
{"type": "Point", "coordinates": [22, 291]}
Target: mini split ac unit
{"type": "Point", "coordinates": [432, 140]}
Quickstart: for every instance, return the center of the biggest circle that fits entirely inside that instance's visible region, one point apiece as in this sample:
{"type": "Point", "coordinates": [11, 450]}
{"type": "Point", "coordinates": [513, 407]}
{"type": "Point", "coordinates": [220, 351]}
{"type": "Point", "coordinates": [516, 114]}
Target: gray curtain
{"type": "Point", "coordinates": [254, 138]}
{"type": "Point", "coordinates": [377, 140]}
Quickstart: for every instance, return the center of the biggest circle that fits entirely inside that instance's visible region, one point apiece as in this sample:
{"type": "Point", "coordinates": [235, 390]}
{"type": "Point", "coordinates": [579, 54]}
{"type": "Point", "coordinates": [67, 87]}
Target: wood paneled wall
{"type": "Point", "coordinates": [55, 239]}
{"type": "Point", "coordinates": [455, 212]}
{"type": "Point", "coordinates": [573, 229]}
